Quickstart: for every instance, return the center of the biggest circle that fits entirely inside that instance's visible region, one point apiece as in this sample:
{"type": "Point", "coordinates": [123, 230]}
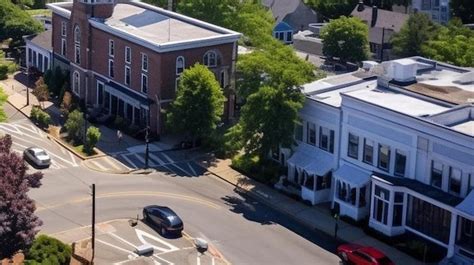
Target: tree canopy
{"type": "Point", "coordinates": [346, 38]}
{"type": "Point", "coordinates": [15, 23]}
{"type": "Point", "coordinates": [418, 29]}
{"type": "Point", "coordinates": [199, 103]}
{"type": "Point", "coordinates": [247, 16]}
{"type": "Point", "coordinates": [453, 44]}
{"type": "Point", "coordinates": [18, 223]}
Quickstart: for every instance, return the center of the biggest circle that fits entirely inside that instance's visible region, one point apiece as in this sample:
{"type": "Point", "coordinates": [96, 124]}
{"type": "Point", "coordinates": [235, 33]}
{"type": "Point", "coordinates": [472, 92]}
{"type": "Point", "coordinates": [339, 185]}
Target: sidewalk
{"type": "Point", "coordinates": [316, 217]}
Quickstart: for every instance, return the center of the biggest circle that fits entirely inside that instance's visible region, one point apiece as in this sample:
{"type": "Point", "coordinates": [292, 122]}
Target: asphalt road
{"type": "Point", "coordinates": [243, 229]}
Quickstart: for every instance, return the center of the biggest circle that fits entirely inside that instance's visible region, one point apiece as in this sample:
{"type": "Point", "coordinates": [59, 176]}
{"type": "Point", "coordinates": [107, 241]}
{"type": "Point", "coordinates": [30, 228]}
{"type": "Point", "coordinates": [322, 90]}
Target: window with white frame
{"type": "Point", "coordinates": [77, 53]}
{"type": "Point", "coordinates": [368, 156]}
{"type": "Point", "coordinates": [127, 75]}
{"type": "Point", "coordinates": [210, 59]}
{"type": "Point", "coordinates": [128, 55]}
{"type": "Point", "coordinates": [455, 180]}
{"type": "Point", "coordinates": [76, 83]}
{"type": "Point", "coordinates": [63, 29]}
{"type": "Point", "coordinates": [111, 68]}
{"type": "Point", "coordinates": [176, 83]}
{"type": "Point", "coordinates": [179, 65]}
{"type": "Point", "coordinates": [326, 139]}
{"type": "Point", "coordinates": [77, 34]}
{"type": "Point", "coordinates": [400, 163]}
{"type": "Point", "coordinates": [353, 146]}
{"type": "Point", "coordinates": [111, 48]}
{"type": "Point", "coordinates": [63, 47]}
{"type": "Point", "coordinates": [437, 174]}
{"type": "Point", "coordinates": [311, 133]}
{"type": "Point", "coordinates": [398, 209]}
{"type": "Point", "coordinates": [144, 62]}
{"type": "Point", "coordinates": [384, 157]}
{"type": "Point", "coordinates": [144, 83]}
{"type": "Point", "coordinates": [381, 202]}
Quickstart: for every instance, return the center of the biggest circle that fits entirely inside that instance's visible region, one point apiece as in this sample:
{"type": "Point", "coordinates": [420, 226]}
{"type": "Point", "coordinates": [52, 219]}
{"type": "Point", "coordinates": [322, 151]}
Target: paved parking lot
{"type": "Point", "coordinates": [116, 243]}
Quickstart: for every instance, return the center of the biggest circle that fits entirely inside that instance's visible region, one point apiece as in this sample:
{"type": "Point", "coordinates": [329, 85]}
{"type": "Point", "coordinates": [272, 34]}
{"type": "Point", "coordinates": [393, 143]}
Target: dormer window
{"type": "Point", "coordinates": [211, 59]}
{"type": "Point", "coordinates": [179, 65]}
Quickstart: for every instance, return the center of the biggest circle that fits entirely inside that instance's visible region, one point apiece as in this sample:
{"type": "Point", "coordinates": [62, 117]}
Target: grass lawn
{"type": "Point", "coordinates": [35, 12]}
{"type": "Point", "coordinates": [80, 150]}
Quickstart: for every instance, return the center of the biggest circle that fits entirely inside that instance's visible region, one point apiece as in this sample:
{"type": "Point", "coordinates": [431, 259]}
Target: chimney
{"type": "Point", "coordinates": [360, 6]}
{"type": "Point", "coordinates": [374, 16]}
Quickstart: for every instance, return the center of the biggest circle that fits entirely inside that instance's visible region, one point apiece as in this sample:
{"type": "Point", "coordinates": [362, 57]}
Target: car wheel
{"type": "Point", "coordinates": [343, 257]}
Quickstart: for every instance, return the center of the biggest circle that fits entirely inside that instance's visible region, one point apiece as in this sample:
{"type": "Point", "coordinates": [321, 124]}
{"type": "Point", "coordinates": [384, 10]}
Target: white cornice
{"type": "Point", "coordinates": [58, 9]}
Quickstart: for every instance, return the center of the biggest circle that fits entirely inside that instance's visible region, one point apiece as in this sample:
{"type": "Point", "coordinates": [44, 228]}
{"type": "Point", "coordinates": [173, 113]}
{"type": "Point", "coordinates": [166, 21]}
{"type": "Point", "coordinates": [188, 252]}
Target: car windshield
{"type": "Point", "coordinates": [174, 220]}
{"type": "Point", "coordinates": [41, 153]}
{"type": "Point", "coordinates": [384, 261]}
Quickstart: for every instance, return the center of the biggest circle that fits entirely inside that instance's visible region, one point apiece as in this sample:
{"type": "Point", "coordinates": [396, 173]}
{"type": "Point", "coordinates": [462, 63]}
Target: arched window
{"type": "Point", "coordinates": [211, 59]}
{"type": "Point", "coordinates": [76, 83]}
{"type": "Point", "coordinates": [180, 65]}
{"type": "Point", "coordinates": [77, 34]}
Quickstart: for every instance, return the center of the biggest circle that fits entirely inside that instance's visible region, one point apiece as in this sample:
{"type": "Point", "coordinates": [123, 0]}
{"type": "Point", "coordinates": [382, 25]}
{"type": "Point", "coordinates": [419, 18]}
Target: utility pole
{"type": "Point", "coordinates": [93, 223]}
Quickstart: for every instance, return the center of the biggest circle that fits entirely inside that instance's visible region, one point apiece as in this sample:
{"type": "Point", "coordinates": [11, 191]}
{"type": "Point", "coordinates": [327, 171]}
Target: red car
{"type": "Point", "coordinates": [360, 255]}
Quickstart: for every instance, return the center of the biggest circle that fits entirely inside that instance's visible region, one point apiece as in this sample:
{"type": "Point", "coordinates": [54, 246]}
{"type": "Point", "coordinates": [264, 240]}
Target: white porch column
{"type": "Point", "coordinates": [452, 235]}
{"type": "Point", "coordinates": [357, 197]}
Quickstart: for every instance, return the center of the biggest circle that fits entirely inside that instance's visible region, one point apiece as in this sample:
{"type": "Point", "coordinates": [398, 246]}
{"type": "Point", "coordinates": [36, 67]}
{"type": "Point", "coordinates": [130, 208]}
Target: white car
{"type": "Point", "coordinates": [37, 156]}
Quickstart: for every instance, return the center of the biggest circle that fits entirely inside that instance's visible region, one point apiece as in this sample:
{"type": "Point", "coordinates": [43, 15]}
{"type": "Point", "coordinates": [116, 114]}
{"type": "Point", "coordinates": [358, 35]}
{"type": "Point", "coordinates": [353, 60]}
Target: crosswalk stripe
{"type": "Point", "coordinates": [192, 169]}
{"type": "Point", "coordinates": [99, 165]}
{"type": "Point", "coordinates": [129, 161]}
{"type": "Point", "coordinates": [157, 159]}
{"type": "Point", "coordinates": [180, 168]}
{"type": "Point", "coordinates": [167, 157]}
{"type": "Point", "coordinates": [112, 163]}
{"type": "Point", "coordinates": [139, 158]}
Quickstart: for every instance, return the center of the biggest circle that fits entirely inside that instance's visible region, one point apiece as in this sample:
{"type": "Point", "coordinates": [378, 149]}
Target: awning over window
{"type": "Point", "coordinates": [467, 205]}
{"type": "Point", "coordinates": [312, 160]}
{"type": "Point", "coordinates": [352, 175]}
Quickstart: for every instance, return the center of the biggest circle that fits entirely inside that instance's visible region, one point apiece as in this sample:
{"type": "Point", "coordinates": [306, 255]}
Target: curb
{"type": "Point", "coordinates": [59, 141]}
{"type": "Point", "coordinates": [263, 200]}
{"type": "Point", "coordinates": [86, 164]}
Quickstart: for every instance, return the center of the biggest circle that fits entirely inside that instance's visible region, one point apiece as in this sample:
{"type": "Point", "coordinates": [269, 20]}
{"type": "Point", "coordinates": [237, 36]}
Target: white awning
{"type": "Point", "coordinates": [312, 159]}
{"type": "Point", "coordinates": [467, 205]}
{"type": "Point", "coordinates": [352, 175]}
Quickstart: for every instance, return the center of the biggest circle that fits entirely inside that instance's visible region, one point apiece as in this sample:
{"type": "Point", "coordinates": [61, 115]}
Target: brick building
{"type": "Point", "coordinates": [126, 57]}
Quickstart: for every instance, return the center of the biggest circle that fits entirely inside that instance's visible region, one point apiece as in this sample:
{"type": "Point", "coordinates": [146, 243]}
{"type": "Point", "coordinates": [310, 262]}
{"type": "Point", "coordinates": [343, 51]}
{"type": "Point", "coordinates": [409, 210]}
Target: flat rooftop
{"type": "Point", "coordinates": [397, 101]}
{"type": "Point", "coordinates": [466, 127]}
{"type": "Point", "coordinates": [154, 26]}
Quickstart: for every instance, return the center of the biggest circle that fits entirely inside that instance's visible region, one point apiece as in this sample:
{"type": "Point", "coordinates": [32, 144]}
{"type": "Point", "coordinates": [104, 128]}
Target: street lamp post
{"type": "Point", "coordinates": [147, 140]}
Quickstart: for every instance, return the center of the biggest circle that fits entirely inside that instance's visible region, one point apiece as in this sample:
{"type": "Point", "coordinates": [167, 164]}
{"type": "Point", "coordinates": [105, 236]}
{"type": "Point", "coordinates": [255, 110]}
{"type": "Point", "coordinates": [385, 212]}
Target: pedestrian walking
{"type": "Point", "coordinates": [119, 136]}
{"type": "Point", "coordinates": [336, 225]}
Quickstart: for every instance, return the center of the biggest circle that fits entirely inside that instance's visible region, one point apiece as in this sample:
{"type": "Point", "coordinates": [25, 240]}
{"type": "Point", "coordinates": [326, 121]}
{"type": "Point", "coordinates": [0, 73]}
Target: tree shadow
{"type": "Point", "coordinates": [256, 211]}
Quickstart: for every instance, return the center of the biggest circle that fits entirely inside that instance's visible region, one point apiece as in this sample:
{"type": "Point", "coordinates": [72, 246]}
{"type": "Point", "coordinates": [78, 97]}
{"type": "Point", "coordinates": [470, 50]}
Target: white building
{"type": "Point", "coordinates": [39, 51]}
{"type": "Point", "coordinates": [394, 144]}
{"type": "Point", "coordinates": [437, 10]}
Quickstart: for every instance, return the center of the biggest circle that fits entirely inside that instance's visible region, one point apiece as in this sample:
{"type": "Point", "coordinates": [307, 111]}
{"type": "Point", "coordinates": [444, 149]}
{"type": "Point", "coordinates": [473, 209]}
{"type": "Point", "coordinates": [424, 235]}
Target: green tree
{"type": "Point", "coordinates": [276, 66]}
{"type": "Point", "coordinates": [48, 250]}
{"type": "Point", "coordinates": [199, 103]}
{"type": "Point", "coordinates": [3, 71]}
{"type": "Point", "coordinates": [41, 91]}
{"type": "Point", "coordinates": [158, 3]}
{"type": "Point", "coordinates": [453, 44]}
{"type": "Point", "coordinates": [92, 138]}
{"type": "Point", "coordinates": [74, 125]}
{"type": "Point", "coordinates": [267, 121]}
{"type": "Point", "coordinates": [463, 9]}
{"type": "Point", "coordinates": [346, 38]}
{"type": "Point", "coordinates": [15, 23]}
{"type": "Point", "coordinates": [332, 9]}
{"type": "Point", "coordinates": [247, 16]}
{"type": "Point", "coordinates": [3, 99]}
{"type": "Point", "coordinates": [416, 31]}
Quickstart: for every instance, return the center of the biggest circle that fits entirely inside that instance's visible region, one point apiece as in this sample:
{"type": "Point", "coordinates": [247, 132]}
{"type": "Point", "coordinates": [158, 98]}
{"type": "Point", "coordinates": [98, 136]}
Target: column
{"type": "Point", "coordinates": [452, 235]}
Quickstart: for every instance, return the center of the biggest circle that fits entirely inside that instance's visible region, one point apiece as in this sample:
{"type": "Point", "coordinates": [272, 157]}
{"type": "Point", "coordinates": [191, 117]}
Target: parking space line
{"type": "Point", "coordinates": [22, 139]}
{"type": "Point", "coordinates": [74, 164]}
{"type": "Point", "coordinates": [198, 262]}
{"type": "Point", "coordinates": [141, 234]}
{"type": "Point", "coordinates": [116, 247]}
{"type": "Point", "coordinates": [129, 161]}
{"type": "Point", "coordinates": [121, 239]}
{"type": "Point", "coordinates": [33, 130]}
{"type": "Point", "coordinates": [19, 132]}
{"type": "Point", "coordinates": [167, 261]}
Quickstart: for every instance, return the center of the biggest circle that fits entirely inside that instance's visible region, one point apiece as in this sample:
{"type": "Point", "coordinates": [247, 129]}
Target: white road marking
{"type": "Point", "coordinates": [213, 261]}
{"type": "Point", "coordinates": [198, 262]}
{"type": "Point", "coordinates": [167, 157]}
{"type": "Point", "coordinates": [5, 127]}
{"type": "Point", "coordinates": [129, 161]}
{"type": "Point", "coordinates": [100, 166]}
{"type": "Point", "coordinates": [23, 140]}
{"type": "Point", "coordinates": [192, 169]}
{"type": "Point", "coordinates": [167, 261]}
{"type": "Point", "coordinates": [180, 168]}
{"type": "Point", "coordinates": [73, 163]}
{"type": "Point", "coordinates": [33, 130]}
{"type": "Point", "coordinates": [142, 234]}
{"type": "Point", "coordinates": [20, 145]}
{"type": "Point", "coordinates": [116, 247]}
{"type": "Point", "coordinates": [139, 158]}
{"type": "Point", "coordinates": [123, 240]}
{"type": "Point", "coordinates": [110, 162]}
{"type": "Point", "coordinates": [157, 159]}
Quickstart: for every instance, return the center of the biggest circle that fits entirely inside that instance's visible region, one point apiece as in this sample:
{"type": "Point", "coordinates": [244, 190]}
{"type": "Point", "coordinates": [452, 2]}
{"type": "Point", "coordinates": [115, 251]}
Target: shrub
{"type": "Point", "coordinates": [3, 71]}
{"type": "Point", "coordinates": [266, 171]}
{"type": "Point", "coordinates": [74, 124]}
{"type": "Point", "coordinates": [40, 116]}
{"type": "Point", "coordinates": [66, 103]}
{"type": "Point", "coordinates": [48, 250]}
{"type": "Point", "coordinates": [92, 137]}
